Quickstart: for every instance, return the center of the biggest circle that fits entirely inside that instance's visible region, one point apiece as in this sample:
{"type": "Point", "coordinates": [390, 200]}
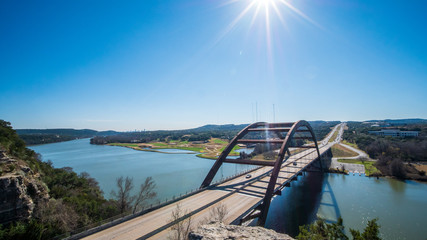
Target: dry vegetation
{"type": "Point", "coordinates": [421, 167]}
{"type": "Point", "coordinates": [181, 228]}
{"type": "Point", "coordinates": [340, 151]}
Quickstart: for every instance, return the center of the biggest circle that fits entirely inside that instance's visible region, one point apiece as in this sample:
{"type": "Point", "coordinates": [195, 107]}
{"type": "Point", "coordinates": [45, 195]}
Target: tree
{"type": "Point", "coordinates": [371, 231]}
{"type": "Point", "coordinates": [145, 193]}
{"type": "Point", "coordinates": [218, 213]}
{"type": "Point", "coordinates": [56, 213]}
{"type": "Point", "coordinates": [322, 230]}
{"type": "Point", "coordinates": [181, 227]}
{"type": "Point", "coordinates": [22, 231]}
{"type": "Point", "coordinates": [123, 197]}
{"type": "Point", "coordinates": [397, 168]}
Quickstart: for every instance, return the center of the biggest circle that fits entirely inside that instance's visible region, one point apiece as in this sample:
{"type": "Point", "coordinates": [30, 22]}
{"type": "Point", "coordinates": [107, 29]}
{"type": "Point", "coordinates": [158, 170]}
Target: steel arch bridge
{"type": "Point", "coordinates": [272, 134]}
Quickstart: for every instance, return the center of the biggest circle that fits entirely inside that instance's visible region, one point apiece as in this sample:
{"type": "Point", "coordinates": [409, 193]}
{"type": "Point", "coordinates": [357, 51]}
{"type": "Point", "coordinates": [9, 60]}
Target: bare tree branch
{"type": "Point", "coordinates": [123, 196]}
{"type": "Point", "coordinates": [146, 192]}
{"type": "Point", "coordinates": [180, 229]}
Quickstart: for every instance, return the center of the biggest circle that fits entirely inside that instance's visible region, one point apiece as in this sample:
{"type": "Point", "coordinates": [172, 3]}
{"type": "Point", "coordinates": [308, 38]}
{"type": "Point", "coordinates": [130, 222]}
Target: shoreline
{"type": "Point", "coordinates": [155, 149]}
{"type": "Point", "coordinates": [198, 154]}
{"type": "Point", "coordinates": [210, 150]}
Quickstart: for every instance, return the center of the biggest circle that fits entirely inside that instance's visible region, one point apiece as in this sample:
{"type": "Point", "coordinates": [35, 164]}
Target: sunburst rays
{"type": "Point", "coordinates": [267, 7]}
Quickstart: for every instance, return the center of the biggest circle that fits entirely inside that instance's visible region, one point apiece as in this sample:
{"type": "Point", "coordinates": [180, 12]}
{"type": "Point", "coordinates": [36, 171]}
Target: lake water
{"type": "Point", "coordinates": [400, 206]}
{"type": "Point", "coordinates": [174, 174]}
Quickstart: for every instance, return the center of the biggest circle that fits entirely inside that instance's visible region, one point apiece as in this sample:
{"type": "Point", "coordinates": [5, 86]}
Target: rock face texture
{"type": "Point", "coordinates": [20, 190]}
{"type": "Point", "coordinates": [219, 231]}
{"type": "Point", "coordinates": [15, 203]}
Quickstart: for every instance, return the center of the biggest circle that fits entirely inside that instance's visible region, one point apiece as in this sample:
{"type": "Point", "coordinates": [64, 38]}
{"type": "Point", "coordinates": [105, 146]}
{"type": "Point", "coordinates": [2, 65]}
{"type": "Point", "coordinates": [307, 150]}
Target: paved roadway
{"type": "Point", "coordinates": [238, 195]}
{"type": "Point", "coordinates": [361, 153]}
{"type": "Point", "coordinates": [354, 168]}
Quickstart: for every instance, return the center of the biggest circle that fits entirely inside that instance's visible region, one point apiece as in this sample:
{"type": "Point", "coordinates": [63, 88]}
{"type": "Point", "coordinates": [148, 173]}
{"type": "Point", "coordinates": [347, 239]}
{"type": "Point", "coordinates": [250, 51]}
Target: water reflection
{"type": "Point", "coordinates": [398, 186]}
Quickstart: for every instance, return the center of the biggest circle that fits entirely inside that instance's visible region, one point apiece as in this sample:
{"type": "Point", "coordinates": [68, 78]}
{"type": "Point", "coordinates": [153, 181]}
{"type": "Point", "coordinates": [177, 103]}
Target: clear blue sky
{"type": "Point", "coordinates": [172, 64]}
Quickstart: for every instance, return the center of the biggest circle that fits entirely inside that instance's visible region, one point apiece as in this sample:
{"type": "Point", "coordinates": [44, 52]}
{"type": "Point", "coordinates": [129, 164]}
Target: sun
{"type": "Point", "coordinates": [268, 8]}
{"type": "Point", "coordinates": [265, 12]}
{"type": "Point", "coordinates": [264, 2]}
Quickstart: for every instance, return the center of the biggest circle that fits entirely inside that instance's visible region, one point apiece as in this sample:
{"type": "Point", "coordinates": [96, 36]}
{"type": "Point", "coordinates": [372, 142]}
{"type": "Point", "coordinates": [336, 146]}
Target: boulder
{"type": "Point", "coordinates": [219, 231]}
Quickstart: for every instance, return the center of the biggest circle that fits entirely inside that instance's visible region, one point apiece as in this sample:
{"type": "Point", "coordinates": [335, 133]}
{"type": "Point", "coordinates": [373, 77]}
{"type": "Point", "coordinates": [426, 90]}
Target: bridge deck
{"type": "Point", "coordinates": [239, 195]}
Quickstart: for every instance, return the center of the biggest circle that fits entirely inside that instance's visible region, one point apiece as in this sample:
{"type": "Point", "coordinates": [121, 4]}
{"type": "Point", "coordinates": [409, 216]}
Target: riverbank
{"type": "Point", "coordinates": [369, 166]}
{"type": "Point", "coordinates": [208, 149]}
{"type": "Point", "coordinates": [370, 169]}
{"type": "Point", "coordinates": [139, 148]}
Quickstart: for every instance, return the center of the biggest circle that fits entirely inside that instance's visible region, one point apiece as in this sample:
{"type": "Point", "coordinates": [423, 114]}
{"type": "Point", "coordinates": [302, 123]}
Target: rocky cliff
{"type": "Point", "coordinates": [218, 231]}
{"type": "Point", "coordinates": [20, 189]}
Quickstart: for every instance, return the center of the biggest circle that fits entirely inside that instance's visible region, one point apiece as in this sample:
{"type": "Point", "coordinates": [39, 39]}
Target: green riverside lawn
{"type": "Point", "coordinates": [369, 165]}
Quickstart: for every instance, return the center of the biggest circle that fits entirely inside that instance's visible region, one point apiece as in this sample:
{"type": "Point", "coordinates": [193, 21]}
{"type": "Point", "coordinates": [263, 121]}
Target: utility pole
{"type": "Point", "coordinates": [256, 107]}
{"type": "Point", "coordinates": [274, 114]}
{"type": "Point", "coordinates": [253, 111]}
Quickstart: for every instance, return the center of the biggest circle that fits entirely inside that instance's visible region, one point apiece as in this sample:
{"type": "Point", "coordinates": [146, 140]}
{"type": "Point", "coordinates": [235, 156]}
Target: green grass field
{"type": "Point", "coordinates": [233, 151]}
{"type": "Point", "coordinates": [219, 141]}
{"type": "Point", "coordinates": [369, 165]}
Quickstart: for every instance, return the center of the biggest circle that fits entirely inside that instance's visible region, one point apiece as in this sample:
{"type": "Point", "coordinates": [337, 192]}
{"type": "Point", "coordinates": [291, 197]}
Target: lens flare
{"type": "Point", "coordinates": [267, 8]}
{"type": "Point", "coordinates": [264, 2]}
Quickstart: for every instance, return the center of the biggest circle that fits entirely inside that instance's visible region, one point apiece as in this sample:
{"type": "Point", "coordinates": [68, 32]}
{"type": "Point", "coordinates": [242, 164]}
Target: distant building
{"type": "Point", "coordinates": [377, 124]}
{"type": "Point", "coordinates": [394, 133]}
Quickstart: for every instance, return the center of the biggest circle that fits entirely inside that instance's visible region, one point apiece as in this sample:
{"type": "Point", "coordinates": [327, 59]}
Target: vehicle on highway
{"type": "Point", "coordinates": [295, 163]}
{"type": "Point", "coordinates": [248, 176]}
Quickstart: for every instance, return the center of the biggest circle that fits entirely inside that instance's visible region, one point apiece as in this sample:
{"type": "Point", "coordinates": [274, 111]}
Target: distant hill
{"type": "Point", "coordinates": [203, 133]}
{"type": "Point", "coordinates": [80, 133]}
{"type": "Point", "coordinates": [226, 131]}
{"type": "Point", "coordinates": [225, 127]}
{"type": "Point", "coordinates": [42, 136]}
{"type": "Point", "coordinates": [397, 122]}
{"type": "Point", "coordinates": [232, 127]}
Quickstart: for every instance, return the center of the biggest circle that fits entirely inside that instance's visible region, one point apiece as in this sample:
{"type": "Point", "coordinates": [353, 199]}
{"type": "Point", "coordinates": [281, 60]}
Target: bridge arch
{"type": "Point", "coordinates": [291, 129]}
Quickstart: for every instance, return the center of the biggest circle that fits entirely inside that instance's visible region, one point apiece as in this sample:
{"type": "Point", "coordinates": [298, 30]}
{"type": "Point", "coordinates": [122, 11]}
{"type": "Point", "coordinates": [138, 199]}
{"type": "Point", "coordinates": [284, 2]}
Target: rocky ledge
{"type": "Point", "coordinates": [218, 231]}
{"type": "Point", "coordinates": [20, 190]}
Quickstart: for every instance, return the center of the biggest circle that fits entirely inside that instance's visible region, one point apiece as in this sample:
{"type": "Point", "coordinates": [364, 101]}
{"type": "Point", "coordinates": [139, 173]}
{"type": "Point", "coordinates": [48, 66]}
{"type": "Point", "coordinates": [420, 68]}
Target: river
{"type": "Point", "coordinates": [174, 174]}
{"type": "Point", "coordinates": [399, 205]}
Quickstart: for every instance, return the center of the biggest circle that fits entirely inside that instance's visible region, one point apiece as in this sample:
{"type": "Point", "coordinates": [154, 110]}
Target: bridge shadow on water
{"type": "Point", "coordinates": [299, 204]}
{"type": "Point", "coordinates": [329, 204]}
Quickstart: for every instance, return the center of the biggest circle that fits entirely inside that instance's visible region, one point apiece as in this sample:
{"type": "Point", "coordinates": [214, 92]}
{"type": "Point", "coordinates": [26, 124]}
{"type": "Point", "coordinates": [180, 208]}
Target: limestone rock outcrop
{"type": "Point", "coordinates": [20, 190]}
{"type": "Point", "coordinates": [219, 231]}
